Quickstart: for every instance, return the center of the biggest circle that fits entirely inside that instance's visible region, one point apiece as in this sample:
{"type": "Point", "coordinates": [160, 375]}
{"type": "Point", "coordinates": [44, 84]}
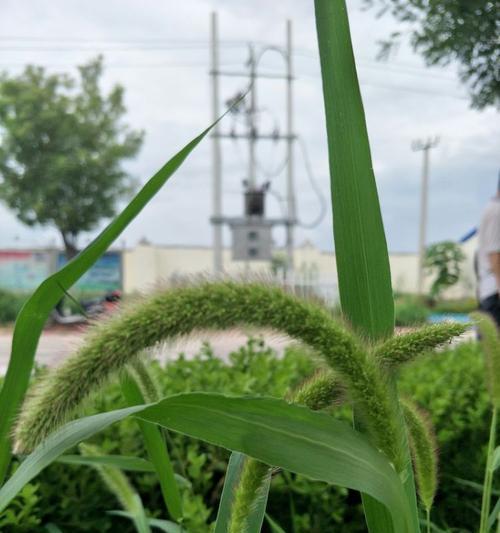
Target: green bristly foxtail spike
{"type": "Point", "coordinates": [423, 447]}
{"type": "Point", "coordinates": [490, 341]}
{"type": "Point", "coordinates": [318, 392]}
{"type": "Point", "coordinates": [118, 484]}
{"type": "Point", "coordinates": [252, 482]}
{"type": "Point", "coordinates": [405, 348]}
{"type": "Point", "coordinates": [215, 306]}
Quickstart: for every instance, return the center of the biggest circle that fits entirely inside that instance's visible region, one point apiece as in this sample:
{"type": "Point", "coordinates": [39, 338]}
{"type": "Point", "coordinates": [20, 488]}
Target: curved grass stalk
{"type": "Point", "coordinates": [118, 483]}
{"type": "Point", "coordinates": [220, 305]}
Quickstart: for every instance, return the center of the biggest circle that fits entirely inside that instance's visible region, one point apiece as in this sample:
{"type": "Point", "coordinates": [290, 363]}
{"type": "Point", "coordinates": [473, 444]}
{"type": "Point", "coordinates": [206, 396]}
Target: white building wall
{"type": "Point", "coordinates": [146, 265]}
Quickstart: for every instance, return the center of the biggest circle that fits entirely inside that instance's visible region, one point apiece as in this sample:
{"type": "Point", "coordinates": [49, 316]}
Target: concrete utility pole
{"type": "Point", "coordinates": [291, 214]}
{"type": "Point", "coordinates": [425, 147]}
{"type": "Point", "coordinates": [216, 151]}
{"type": "Point", "coordinates": [252, 233]}
{"type": "Point", "coordinates": [252, 132]}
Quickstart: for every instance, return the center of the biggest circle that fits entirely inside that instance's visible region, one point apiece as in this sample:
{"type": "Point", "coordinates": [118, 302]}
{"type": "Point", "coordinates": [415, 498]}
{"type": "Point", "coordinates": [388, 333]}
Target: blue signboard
{"type": "Point", "coordinates": [23, 270]}
{"type": "Point", "coordinates": [105, 275]}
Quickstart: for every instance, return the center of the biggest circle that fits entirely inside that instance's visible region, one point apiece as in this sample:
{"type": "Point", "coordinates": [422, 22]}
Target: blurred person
{"type": "Point", "coordinates": [488, 258]}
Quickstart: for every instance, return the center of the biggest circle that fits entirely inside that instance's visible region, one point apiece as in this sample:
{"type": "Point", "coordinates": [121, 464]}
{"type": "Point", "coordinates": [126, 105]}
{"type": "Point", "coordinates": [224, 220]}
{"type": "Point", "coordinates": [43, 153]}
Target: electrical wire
{"type": "Point", "coordinates": [280, 199]}
{"type": "Point", "coordinates": [315, 187]}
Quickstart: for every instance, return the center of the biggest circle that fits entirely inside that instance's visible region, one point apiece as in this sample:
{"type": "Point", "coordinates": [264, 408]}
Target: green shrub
{"type": "Point", "coordinates": [410, 311]}
{"type": "Point", "coordinates": [10, 305]}
{"type": "Point", "coordinates": [449, 385]}
{"type": "Point", "coordinates": [462, 305]}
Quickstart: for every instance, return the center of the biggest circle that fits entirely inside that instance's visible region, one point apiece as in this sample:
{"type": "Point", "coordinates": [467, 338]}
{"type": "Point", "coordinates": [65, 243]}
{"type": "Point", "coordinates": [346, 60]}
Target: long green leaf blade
{"type": "Point", "coordinates": [272, 431]}
{"type": "Point", "coordinates": [163, 525]}
{"type": "Point", "coordinates": [299, 440]}
{"type": "Point", "coordinates": [360, 245]}
{"type": "Point", "coordinates": [123, 462]}
{"type": "Point", "coordinates": [55, 445]}
{"type": "Point", "coordinates": [233, 472]}
{"type": "Point", "coordinates": [33, 315]}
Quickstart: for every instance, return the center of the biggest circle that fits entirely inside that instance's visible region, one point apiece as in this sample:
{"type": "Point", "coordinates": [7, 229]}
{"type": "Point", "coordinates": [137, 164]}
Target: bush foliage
{"type": "Point", "coordinates": [449, 386]}
{"type": "Point", "coordinates": [10, 305]}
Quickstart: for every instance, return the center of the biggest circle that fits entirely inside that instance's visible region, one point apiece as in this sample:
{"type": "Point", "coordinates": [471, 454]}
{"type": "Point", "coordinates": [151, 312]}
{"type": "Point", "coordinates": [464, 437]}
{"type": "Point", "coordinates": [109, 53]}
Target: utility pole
{"type": "Point", "coordinates": [291, 214]}
{"type": "Point", "coordinates": [252, 239]}
{"type": "Point", "coordinates": [252, 131]}
{"type": "Point", "coordinates": [425, 147]}
{"type": "Point", "coordinates": [216, 151]}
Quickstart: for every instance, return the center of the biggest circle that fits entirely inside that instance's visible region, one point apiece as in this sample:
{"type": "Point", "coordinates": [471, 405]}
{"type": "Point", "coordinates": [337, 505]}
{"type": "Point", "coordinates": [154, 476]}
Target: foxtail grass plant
{"type": "Point", "coordinates": [116, 345]}
{"type": "Point", "coordinates": [359, 356]}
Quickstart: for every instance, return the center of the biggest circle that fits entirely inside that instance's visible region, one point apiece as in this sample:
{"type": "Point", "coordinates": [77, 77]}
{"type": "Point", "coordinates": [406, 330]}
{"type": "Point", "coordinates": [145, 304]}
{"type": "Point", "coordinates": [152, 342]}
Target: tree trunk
{"type": "Point", "coordinates": [70, 248]}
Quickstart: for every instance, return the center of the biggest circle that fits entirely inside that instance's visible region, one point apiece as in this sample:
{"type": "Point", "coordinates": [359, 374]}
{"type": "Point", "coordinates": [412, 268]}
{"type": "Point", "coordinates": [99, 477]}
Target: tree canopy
{"type": "Point", "coordinates": [443, 31]}
{"type": "Point", "coordinates": [62, 144]}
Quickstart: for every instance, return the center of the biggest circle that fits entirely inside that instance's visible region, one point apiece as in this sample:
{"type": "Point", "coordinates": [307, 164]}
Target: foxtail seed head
{"type": "Point", "coordinates": [404, 348]}
{"type": "Point", "coordinates": [171, 313]}
{"type": "Point", "coordinates": [423, 447]}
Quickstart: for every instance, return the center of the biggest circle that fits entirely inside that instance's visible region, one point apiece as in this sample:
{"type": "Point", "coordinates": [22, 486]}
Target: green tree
{"type": "Point", "coordinates": [443, 259]}
{"type": "Point", "coordinates": [62, 147]}
{"type": "Point", "coordinates": [442, 31]}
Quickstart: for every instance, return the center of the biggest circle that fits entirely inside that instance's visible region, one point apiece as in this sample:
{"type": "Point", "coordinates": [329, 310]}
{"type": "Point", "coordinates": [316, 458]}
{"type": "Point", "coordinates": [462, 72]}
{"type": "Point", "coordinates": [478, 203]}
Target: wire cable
{"type": "Point", "coordinates": [315, 187]}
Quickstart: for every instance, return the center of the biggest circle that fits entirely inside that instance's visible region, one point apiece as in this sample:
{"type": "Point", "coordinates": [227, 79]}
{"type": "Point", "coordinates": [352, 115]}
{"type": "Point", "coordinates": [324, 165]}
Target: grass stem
{"type": "Point", "coordinates": [488, 475]}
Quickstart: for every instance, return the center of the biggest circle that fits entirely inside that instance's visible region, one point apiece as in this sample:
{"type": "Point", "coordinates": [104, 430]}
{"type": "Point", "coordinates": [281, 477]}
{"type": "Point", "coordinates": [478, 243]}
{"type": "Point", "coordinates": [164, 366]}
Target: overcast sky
{"type": "Point", "coordinates": [158, 50]}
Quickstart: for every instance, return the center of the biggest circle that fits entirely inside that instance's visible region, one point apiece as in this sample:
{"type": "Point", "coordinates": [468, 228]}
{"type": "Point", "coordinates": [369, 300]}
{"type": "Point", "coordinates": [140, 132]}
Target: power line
{"type": "Point", "coordinates": [159, 43]}
{"type": "Point", "coordinates": [323, 207]}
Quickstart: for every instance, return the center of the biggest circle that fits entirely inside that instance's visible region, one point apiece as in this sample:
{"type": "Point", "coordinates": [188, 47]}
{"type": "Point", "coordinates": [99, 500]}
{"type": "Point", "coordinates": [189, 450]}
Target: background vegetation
{"type": "Point", "coordinates": [450, 386]}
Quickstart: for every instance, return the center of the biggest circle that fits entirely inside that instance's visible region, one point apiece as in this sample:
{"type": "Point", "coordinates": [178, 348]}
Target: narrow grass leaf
{"type": "Point", "coordinates": [163, 525]}
{"type": "Point", "coordinates": [55, 445]}
{"type": "Point", "coordinates": [494, 515]}
{"type": "Point", "coordinates": [119, 485]}
{"type": "Point", "coordinates": [360, 245]}
{"type": "Point", "coordinates": [270, 430]}
{"type": "Point", "coordinates": [273, 525]}
{"type": "Point", "coordinates": [52, 528]}
{"type": "Point", "coordinates": [233, 472]}
{"type": "Point", "coordinates": [157, 450]}
{"type": "Point", "coordinates": [495, 462]}
{"type": "Point", "coordinates": [123, 462]}
{"type": "Point", "coordinates": [287, 436]}
{"type": "Point", "coordinates": [37, 308]}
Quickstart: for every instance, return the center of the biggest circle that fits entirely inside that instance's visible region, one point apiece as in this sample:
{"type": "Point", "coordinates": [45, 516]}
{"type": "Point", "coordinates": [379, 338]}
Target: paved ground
{"type": "Point", "coordinates": [57, 344]}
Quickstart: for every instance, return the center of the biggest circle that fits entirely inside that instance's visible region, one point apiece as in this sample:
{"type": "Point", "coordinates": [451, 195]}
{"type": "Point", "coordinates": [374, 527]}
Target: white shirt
{"type": "Point", "coordinates": [489, 242]}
